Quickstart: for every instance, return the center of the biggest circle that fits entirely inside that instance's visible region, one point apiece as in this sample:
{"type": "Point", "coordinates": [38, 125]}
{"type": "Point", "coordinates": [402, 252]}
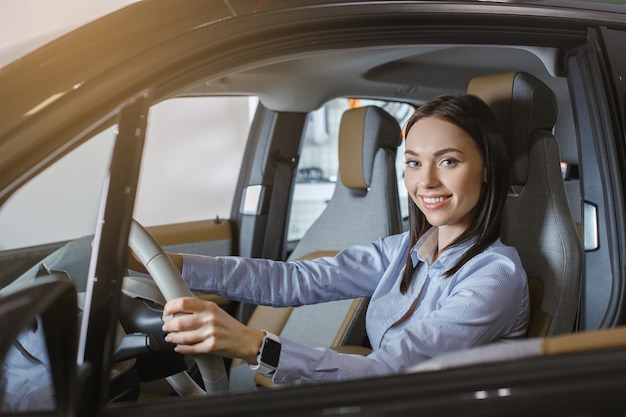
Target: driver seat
{"type": "Point", "coordinates": [364, 207]}
{"type": "Point", "coordinates": [537, 219]}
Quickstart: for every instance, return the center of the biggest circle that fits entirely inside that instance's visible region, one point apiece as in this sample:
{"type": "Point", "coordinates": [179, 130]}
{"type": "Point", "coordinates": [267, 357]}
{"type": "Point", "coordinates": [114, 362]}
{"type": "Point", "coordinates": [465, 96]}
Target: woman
{"type": "Point", "coordinates": [447, 284]}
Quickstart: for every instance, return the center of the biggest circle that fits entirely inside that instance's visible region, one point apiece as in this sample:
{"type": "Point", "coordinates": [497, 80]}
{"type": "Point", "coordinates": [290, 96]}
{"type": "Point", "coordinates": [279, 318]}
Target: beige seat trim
{"type": "Point", "coordinates": [351, 149]}
{"type": "Point", "coordinates": [589, 340]}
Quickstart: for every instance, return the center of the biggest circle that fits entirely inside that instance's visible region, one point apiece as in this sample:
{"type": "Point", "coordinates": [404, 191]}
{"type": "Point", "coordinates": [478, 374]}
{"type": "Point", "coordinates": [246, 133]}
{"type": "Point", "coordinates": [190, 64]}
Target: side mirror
{"type": "Point", "coordinates": [50, 303]}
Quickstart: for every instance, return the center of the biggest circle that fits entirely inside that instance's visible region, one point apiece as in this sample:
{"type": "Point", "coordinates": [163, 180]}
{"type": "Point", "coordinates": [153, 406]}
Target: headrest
{"type": "Point", "coordinates": [362, 132]}
{"type": "Point", "coordinates": [522, 104]}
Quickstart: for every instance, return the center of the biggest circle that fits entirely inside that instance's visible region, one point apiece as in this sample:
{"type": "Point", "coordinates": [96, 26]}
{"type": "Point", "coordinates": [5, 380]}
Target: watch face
{"type": "Point", "coordinates": [270, 352]}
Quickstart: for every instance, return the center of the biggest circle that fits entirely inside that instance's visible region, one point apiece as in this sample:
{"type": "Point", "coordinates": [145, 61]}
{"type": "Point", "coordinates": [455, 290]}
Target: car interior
{"type": "Point", "coordinates": [528, 90]}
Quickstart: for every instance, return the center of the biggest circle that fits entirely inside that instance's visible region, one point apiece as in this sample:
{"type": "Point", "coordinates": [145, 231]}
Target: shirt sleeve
{"type": "Point", "coordinates": [486, 302]}
{"type": "Point", "coordinates": [354, 272]}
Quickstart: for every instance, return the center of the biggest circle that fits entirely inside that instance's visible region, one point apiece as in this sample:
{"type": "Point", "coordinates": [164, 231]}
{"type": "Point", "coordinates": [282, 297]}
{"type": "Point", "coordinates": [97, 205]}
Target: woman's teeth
{"type": "Point", "coordinates": [432, 200]}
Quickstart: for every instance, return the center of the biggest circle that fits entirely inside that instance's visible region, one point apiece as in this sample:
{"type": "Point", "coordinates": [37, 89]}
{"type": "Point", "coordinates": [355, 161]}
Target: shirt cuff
{"type": "Point", "coordinates": [301, 364]}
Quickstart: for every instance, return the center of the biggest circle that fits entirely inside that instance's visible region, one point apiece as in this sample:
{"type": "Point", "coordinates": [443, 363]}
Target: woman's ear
{"type": "Point", "coordinates": [485, 175]}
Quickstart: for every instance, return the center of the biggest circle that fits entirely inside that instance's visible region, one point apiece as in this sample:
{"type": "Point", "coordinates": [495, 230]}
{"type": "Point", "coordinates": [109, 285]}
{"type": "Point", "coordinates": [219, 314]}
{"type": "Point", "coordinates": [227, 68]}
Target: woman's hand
{"type": "Point", "coordinates": [206, 328]}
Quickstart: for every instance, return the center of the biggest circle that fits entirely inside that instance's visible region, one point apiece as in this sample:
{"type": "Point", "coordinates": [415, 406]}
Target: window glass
{"type": "Point", "coordinates": [192, 157]}
{"type": "Point", "coordinates": [317, 169]}
{"type": "Point", "coordinates": [62, 202]}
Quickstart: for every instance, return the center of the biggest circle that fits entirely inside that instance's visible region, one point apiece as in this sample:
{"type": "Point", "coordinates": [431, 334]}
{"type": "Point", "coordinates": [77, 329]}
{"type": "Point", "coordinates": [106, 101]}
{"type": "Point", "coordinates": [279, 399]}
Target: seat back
{"type": "Point", "coordinates": [537, 218]}
{"type": "Point", "coordinates": [367, 186]}
{"type": "Point", "coordinates": [364, 207]}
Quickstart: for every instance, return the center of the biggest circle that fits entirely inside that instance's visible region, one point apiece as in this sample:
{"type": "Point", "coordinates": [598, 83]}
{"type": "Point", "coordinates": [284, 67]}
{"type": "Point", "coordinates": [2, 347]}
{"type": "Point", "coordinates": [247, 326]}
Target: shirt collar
{"type": "Point", "coordinates": [425, 248]}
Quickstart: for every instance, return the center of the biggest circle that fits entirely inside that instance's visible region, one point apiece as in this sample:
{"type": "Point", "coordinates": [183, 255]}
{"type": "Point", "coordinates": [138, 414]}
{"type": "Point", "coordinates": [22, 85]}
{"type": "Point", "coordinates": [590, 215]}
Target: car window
{"type": "Point", "coordinates": [192, 158]}
{"type": "Point", "coordinates": [191, 161]}
{"type": "Point", "coordinates": [60, 203]}
{"type": "Point", "coordinates": [318, 165]}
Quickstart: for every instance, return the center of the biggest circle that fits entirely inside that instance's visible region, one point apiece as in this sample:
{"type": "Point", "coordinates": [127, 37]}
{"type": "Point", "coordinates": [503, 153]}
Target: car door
{"type": "Point", "coordinates": [595, 75]}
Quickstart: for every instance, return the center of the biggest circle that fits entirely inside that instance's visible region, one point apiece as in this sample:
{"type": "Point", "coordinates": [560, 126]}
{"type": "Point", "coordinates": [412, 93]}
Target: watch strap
{"type": "Point", "coordinates": [262, 365]}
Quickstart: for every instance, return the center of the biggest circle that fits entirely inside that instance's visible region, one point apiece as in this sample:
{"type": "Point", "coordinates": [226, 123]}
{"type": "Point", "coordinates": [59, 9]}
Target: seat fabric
{"type": "Point", "coordinates": [364, 207]}
{"type": "Point", "coordinates": [537, 217]}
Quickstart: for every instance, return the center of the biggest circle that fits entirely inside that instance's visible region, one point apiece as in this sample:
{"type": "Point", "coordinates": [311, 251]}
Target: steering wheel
{"type": "Point", "coordinates": [172, 285]}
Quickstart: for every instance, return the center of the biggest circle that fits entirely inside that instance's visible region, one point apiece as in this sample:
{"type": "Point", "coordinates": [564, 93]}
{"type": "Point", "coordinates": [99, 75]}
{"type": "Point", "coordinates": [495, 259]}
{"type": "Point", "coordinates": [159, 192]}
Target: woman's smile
{"type": "Point", "coordinates": [434, 202]}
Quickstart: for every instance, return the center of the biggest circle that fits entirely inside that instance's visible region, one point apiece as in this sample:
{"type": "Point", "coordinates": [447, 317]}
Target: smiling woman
{"type": "Point", "coordinates": [456, 238]}
{"type": "Point", "coordinates": [446, 284]}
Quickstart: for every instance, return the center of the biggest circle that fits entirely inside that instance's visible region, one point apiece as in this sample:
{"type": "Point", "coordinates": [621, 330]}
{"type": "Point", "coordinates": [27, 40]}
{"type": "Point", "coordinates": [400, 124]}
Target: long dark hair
{"type": "Point", "coordinates": [473, 116]}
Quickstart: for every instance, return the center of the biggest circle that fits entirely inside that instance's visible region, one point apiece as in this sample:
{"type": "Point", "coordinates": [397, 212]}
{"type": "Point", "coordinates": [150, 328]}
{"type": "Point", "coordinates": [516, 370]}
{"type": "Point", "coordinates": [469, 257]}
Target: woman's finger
{"type": "Point", "coordinates": [187, 305]}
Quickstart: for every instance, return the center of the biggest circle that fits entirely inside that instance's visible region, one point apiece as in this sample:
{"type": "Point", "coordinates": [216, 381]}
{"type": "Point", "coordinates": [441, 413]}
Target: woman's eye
{"type": "Point", "coordinates": [449, 162]}
{"type": "Point", "coordinates": [412, 164]}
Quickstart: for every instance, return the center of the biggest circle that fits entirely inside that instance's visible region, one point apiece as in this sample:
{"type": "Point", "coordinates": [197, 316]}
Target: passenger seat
{"type": "Point", "coordinates": [363, 208]}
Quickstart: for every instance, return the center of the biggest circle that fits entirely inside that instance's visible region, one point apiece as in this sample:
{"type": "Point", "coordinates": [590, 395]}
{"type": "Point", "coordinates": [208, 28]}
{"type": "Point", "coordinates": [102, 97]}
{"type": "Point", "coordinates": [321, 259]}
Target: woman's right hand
{"type": "Point", "coordinates": [197, 326]}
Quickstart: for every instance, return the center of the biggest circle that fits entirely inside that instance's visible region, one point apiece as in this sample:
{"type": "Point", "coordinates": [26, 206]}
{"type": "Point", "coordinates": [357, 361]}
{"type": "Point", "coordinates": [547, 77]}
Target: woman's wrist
{"type": "Point", "coordinates": [253, 346]}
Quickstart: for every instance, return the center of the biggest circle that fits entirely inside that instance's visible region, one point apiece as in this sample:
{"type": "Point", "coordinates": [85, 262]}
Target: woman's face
{"type": "Point", "coordinates": [444, 175]}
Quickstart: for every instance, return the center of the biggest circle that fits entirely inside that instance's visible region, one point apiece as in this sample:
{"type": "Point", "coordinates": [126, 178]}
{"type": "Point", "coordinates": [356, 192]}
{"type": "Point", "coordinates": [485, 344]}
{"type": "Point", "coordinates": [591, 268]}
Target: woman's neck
{"type": "Point", "coordinates": [447, 235]}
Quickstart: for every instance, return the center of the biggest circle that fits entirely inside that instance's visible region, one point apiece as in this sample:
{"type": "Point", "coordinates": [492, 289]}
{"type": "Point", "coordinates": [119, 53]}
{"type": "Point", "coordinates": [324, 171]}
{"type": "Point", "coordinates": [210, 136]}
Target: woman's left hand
{"type": "Point", "coordinates": [200, 326]}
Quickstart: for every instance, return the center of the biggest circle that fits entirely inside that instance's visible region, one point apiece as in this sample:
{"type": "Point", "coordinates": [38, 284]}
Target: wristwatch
{"type": "Point", "coordinates": [267, 359]}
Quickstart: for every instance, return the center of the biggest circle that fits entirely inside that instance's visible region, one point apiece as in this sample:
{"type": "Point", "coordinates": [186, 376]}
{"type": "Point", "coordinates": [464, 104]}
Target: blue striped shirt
{"type": "Point", "coordinates": [485, 301]}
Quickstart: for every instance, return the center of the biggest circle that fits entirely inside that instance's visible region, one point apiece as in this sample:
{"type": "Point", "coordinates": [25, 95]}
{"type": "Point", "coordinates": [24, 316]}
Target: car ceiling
{"type": "Point", "coordinates": [406, 73]}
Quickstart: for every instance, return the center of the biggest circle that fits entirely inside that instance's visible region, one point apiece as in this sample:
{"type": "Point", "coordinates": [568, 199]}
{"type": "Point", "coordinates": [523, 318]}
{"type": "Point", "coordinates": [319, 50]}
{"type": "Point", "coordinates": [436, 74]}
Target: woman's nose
{"type": "Point", "coordinates": [428, 177]}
